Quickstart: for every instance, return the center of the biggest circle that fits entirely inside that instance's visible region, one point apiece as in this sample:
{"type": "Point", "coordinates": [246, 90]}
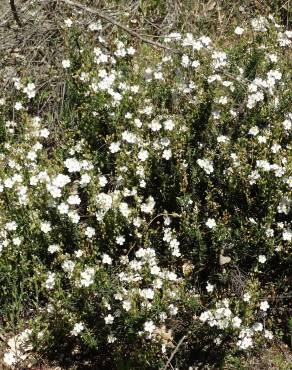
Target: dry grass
{"type": "Point", "coordinates": [276, 357]}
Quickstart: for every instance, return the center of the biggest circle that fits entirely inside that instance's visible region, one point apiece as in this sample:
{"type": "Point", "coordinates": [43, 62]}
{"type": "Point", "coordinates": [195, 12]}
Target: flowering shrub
{"type": "Point", "coordinates": [155, 212]}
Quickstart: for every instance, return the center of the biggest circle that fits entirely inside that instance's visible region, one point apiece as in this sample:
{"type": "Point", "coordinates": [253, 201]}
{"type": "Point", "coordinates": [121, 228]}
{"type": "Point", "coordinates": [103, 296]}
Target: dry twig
{"type": "Point", "coordinates": [174, 352]}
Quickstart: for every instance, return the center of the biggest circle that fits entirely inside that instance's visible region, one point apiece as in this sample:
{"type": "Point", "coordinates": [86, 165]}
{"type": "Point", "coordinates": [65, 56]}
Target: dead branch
{"type": "Point", "coordinates": [118, 24]}
{"type": "Point", "coordinates": [14, 12]}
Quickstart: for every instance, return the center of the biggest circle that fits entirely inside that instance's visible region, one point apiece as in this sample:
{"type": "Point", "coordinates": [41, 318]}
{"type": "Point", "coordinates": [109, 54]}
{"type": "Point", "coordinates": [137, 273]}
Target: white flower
{"type": "Point", "coordinates": [106, 259]}
{"type": "Point", "coordinates": [124, 209]}
{"type": "Point", "coordinates": [169, 125]}
{"type": "Point", "coordinates": [273, 58]}
{"type": "Point", "coordinates": [66, 63]}
{"type": "Point", "coordinates": [206, 165]}
{"type": "Point", "coordinates": [111, 338]}
{"type": "Point", "coordinates": [85, 179]}
{"type": "Point", "coordinates": [167, 154]}
{"type": "Point", "coordinates": [223, 100]}
{"type": "Point", "coordinates": [63, 208]}
{"type": "Point", "coordinates": [78, 253]}
{"type": "Point", "coordinates": [127, 305]}
{"type": "Point", "coordinates": [73, 200]}
{"type": "Point", "coordinates": [46, 227]}
{"type": "Point", "coordinates": [50, 281]}
{"type": "Point", "coordinates": [31, 155]}
{"type": "Point", "coordinates": [172, 276]}
{"type": "Point", "coordinates": [219, 59]}
{"type": "Point", "coordinates": [164, 141]}
{"type": "Point", "coordinates": [131, 50]}
{"type": "Point", "coordinates": [259, 24]}
{"type": "Point", "coordinates": [158, 75]}
{"type": "Point", "coordinates": [149, 327]}
{"type": "Point", "coordinates": [287, 124]}
{"type": "Point", "coordinates": [102, 181]}
{"type": "Point", "coordinates": [78, 328]}
{"type": "Point", "coordinates": [262, 258]}
{"type": "Point", "coordinates": [262, 139]}
{"type": "Point", "coordinates": [222, 139]}
{"type": "Point", "coordinates": [210, 287]}
{"type": "Point", "coordinates": [148, 207]}
{"type": "Point", "coordinates": [264, 305]}
{"type": "Point", "coordinates": [274, 75]}
{"type": "Point", "coordinates": [53, 248]}
{"type": "Point", "coordinates": [155, 270]}
{"type": "Point", "coordinates": [195, 63]}
{"type": "Point", "coordinates": [254, 131]}
{"type": "Point", "coordinates": [185, 60]}
{"type": "Point", "coordinates": [147, 293]}
{"type": "Point", "coordinates": [16, 241]}
{"type": "Point", "coordinates": [120, 240]}
{"type": "Point", "coordinates": [245, 342]}
{"type": "Point", "coordinates": [68, 266]}
{"type": "Point", "coordinates": [268, 334]}
{"type": "Point", "coordinates": [18, 106]}
{"type": "Point", "coordinates": [73, 165]}
{"type": "Point", "coordinates": [204, 316]}
{"type": "Point", "coordinates": [269, 233]}
{"type": "Point", "coordinates": [264, 165]}
{"type": "Point", "coordinates": [239, 31]}
{"type": "Point", "coordinates": [17, 83]}
{"type": "Point", "coordinates": [68, 22]}
{"type": "Point", "coordinates": [236, 322]}
{"type": "Point", "coordinates": [61, 180]}
{"type": "Point", "coordinates": [258, 326]}
{"type": "Point", "coordinates": [173, 310]}
{"type": "Point", "coordinates": [95, 26]}
{"type": "Point", "coordinates": [109, 319]}
{"type": "Point", "coordinates": [138, 122]}
{"type": "Point", "coordinates": [44, 133]}
{"type": "Point", "coordinates": [210, 223]}
{"type": "Point", "coordinates": [11, 226]}
{"type": "Point", "coordinates": [246, 297]}
{"type": "Point", "coordinates": [155, 125]}
{"type": "Point", "coordinates": [287, 235]}
{"type": "Point", "coordinates": [10, 358]}
{"type": "Point", "coordinates": [29, 90]}
{"type": "Point", "coordinates": [143, 155]}
{"type": "Point", "coordinates": [284, 205]}
{"type": "Point", "coordinates": [87, 277]}
{"type": "Point", "coordinates": [114, 147]}
{"type": "Point", "coordinates": [89, 232]}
